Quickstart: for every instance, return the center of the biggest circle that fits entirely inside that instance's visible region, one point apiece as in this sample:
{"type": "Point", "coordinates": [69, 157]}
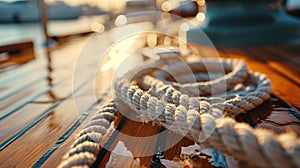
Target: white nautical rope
{"type": "Point", "coordinates": [208, 119]}
{"type": "Point", "coordinates": [233, 106]}
{"type": "Point", "coordinates": [84, 150]}
{"type": "Point", "coordinates": [236, 72]}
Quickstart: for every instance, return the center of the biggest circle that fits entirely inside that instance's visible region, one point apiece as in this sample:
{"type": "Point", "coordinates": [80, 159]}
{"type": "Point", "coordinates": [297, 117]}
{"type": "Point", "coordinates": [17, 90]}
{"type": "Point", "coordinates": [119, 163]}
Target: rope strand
{"type": "Point", "coordinates": [85, 149]}
{"type": "Point", "coordinates": [204, 119]}
{"type": "Point", "coordinates": [209, 120]}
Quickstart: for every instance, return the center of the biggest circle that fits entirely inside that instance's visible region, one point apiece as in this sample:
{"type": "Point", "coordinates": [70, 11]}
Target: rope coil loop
{"type": "Point", "coordinates": [210, 73]}
{"type": "Point", "coordinates": [207, 118]}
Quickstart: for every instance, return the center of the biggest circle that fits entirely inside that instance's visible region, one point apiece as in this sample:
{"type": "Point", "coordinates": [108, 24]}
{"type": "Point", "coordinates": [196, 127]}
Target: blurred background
{"type": "Point", "coordinates": [50, 52]}
{"type": "Point", "coordinates": [20, 18]}
{"type": "Point", "coordinates": [44, 23]}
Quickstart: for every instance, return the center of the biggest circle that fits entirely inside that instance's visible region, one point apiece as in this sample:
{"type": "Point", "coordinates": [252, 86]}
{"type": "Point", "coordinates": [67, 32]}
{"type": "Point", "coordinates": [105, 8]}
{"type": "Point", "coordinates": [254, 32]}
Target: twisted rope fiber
{"type": "Point", "coordinates": [208, 120]}
{"type": "Point", "coordinates": [238, 72]}
{"type": "Point", "coordinates": [85, 149]}
{"type": "Point", "coordinates": [202, 119]}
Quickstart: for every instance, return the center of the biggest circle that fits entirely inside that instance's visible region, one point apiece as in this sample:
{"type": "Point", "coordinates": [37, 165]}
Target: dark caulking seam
{"type": "Point", "coordinates": [107, 145]}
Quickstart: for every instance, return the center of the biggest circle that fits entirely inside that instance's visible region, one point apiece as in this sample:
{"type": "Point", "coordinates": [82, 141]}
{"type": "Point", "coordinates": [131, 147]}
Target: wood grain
{"type": "Point", "coordinates": [56, 110]}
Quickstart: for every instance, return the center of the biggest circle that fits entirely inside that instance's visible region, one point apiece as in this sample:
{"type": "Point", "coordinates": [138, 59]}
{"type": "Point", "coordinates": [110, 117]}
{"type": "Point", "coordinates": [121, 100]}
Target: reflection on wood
{"type": "Point", "coordinates": [275, 115]}
{"type": "Point", "coordinates": [43, 121]}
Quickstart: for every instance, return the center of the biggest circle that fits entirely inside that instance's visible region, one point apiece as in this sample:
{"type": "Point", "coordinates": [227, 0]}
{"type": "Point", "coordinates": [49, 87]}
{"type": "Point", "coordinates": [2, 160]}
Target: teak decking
{"type": "Point", "coordinates": [39, 120]}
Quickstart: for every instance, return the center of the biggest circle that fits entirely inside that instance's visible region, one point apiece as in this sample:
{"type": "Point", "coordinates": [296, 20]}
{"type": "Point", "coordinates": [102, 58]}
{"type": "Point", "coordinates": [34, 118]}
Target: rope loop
{"type": "Point", "coordinates": [202, 107]}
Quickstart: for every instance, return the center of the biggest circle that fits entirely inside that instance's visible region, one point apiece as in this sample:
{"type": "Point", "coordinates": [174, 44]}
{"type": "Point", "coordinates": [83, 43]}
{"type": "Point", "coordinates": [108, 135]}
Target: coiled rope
{"type": "Point", "coordinates": [204, 119]}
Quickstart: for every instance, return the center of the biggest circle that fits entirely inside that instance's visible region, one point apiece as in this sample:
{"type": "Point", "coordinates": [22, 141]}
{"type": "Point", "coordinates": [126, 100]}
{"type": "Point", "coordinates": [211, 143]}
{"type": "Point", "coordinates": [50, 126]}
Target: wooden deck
{"type": "Point", "coordinates": [39, 119]}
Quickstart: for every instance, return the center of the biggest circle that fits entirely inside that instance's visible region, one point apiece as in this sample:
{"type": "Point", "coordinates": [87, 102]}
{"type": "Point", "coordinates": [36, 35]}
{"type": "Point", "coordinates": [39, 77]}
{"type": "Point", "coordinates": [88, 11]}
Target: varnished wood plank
{"type": "Point", "coordinates": [51, 77]}
{"type": "Point", "coordinates": [18, 100]}
{"type": "Point", "coordinates": [293, 49]}
{"type": "Point", "coordinates": [63, 116]}
{"type": "Point", "coordinates": [20, 72]}
{"type": "Point", "coordinates": [13, 89]}
{"type": "Point", "coordinates": [25, 44]}
{"type": "Point", "coordinates": [30, 112]}
{"type": "Point", "coordinates": [287, 52]}
{"type": "Point", "coordinates": [16, 53]}
{"type": "Point", "coordinates": [52, 72]}
{"type": "Point", "coordinates": [17, 58]}
{"type": "Point", "coordinates": [21, 76]}
{"type": "Point", "coordinates": [39, 127]}
{"type": "Point", "coordinates": [44, 134]}
{"type": "Point", "coordinates": [58, 59]}
{"type": "Point", "coordinates": [33, 94]}
{"type": "Point", "coordinates": [18, 121]}
{"type": "Point", "coordinates": [278, 63]}
{"type": "Point", "coordinates": [139, 138]}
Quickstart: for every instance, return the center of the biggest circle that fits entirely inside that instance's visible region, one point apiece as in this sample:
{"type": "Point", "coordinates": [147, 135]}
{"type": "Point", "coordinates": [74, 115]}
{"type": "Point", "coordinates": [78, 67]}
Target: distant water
{"type": "Point", "coordinates": [10, 33]}
{"type": "Point", "coordinates": [14, 32]}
